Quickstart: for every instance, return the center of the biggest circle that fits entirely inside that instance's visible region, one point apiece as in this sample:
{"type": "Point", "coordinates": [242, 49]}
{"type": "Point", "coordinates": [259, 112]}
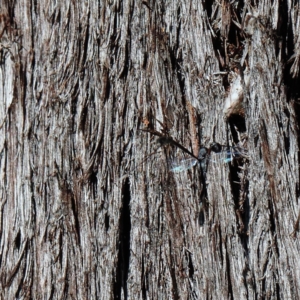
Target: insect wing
{"type": "Point", "coordinates": [183, 165]}
{"type": "Point", "coordinates": [228, 155]}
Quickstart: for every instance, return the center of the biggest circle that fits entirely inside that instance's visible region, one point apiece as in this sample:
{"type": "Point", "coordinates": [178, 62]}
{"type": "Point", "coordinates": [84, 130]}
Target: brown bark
{"type": "Point", "coordinates": [83, 214]}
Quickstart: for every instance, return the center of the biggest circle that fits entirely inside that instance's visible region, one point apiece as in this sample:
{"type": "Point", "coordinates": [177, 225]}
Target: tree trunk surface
{"type": "Point", "coordinates": [86, 89]}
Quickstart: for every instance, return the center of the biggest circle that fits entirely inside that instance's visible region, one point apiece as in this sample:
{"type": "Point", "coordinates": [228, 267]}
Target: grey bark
{"type": "Point", "coordinates": [83, 214]}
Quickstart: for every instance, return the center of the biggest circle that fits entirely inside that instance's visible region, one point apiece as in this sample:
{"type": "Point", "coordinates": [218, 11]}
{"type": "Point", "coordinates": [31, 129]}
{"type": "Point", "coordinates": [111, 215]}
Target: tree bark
{"type": "Point", "coordinates": [86, 212]}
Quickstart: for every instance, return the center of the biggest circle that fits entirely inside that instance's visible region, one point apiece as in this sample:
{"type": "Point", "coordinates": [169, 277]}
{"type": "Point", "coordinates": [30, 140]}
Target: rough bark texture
{"type": "Point", "coordinates": [83, 214]}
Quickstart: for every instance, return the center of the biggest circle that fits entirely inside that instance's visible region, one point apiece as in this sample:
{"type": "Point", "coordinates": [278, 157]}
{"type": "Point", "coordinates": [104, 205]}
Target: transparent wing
{"type": "Point", "coordinates": [182, 165]}
{"type": "Point", "coordinates": [228, 155]}
{"type": "Point", "coordinates": [224, 156]}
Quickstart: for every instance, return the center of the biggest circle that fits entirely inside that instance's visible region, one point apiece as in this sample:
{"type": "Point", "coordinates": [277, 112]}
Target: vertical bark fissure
{"type": "Point", "coordinates": [123, 245]}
